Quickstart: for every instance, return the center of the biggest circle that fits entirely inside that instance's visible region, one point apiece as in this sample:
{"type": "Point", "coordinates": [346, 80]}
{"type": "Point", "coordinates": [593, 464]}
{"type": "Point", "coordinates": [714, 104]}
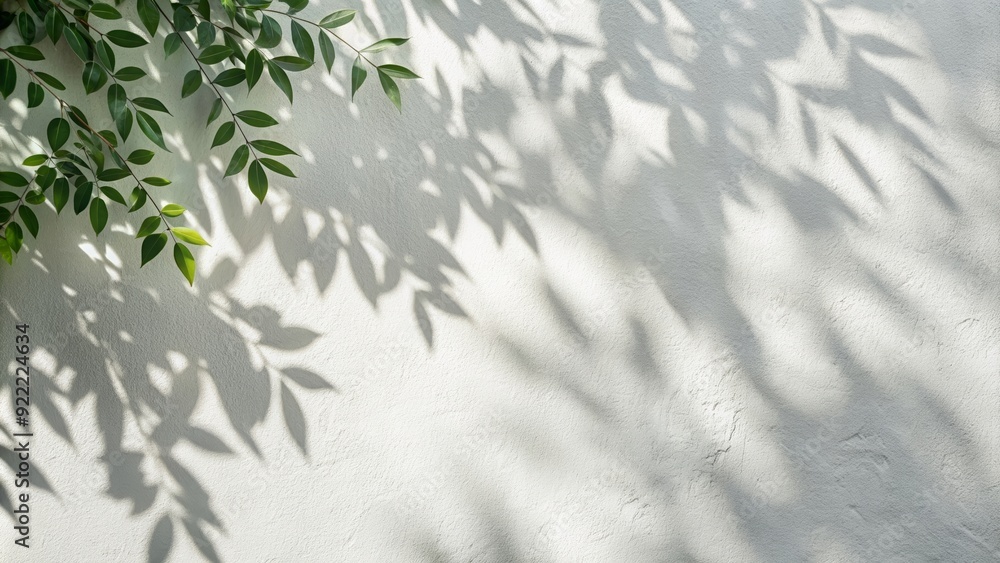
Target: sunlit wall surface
{"type": "Point", "coordinates": [627, 281]}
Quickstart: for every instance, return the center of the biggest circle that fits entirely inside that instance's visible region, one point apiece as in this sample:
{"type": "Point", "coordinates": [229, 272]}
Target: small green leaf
{"type": "Point", "coordinates": [184, 261]}
{"type": "Point", "coordinates": [277, 167]}
{"type": "Point", "coordinates": [8, 77]}
{"type": "Point", "coordinates": [124, 38]}
{"type": "Point", "coordinates": [391, 89]}
{"type": "Point", "coordinates": [50, 80]}
{"type": "Point", "coordinates": [124, 124]}
{"type": "Point", "coordinates": [36, 95]}
{"type": "Point", "coordinates": [58, 133]}
{"type": "Point", "coordinates": [105, 11]}
{"type": "Point", "coordinates": [280, 79]}
{"type": "Point", "coordinates": [149, 16]}
{"type": "Point", "coordinates": [26, 52]}
{"type": "Point", "coordinates": [224, 133]}
{"type": "Point", "coordinates": [140, 156]}
{"type": "Point", "coordinates": [215, 112]}
{"type": "Point", "coordinates": [94, 77]}
{"type": "Point", "coordinates": [116, 100]}
{"type": "Point", "coordinates": [171, 43]}
{"type": "Point", "coordinates": [82, 197]}
{"type": "Point", "coordinates": [76, 42]}
{"type": "Point", "coordinates": [192, 81]}
{"type": "Point", "coordinates": [26, 27]}
{"type": "Point", "coordinates": [130, 73]}
{"type": "Point", "coordinates": [105, 54]}
{"type": "Point", "coordinates": [230, 77]}
{"type": "Point", "coordinates": [14, 236]}
{"type": "Point", "coordinates": [113, 174]}
{"type": "Point", "coordinates": [152, 246]}
{"type": "Point", "coordinates": [54, 23]}
{"type": "Point", "coordinates": [206, 34]}
{"type": "Point", "coordinates": [337, 19]}
{"type": "Point", "coordinates": [156, 181]}
{"type": "Point", "coordinates": [149, 226]}
{"type": "Point", "coordinates": [326, 48]}
{"type": "Point", "coordinates": [214, 54]}
{"type": "Point", "coordinates": [35, 160]}
{"type": "Point", "coordinates": [189, 235]}
{"type": "Point", "coordinates": [290, 63]}
{"type": "Point", "coordinates": [98, 215]}
{"type": "Point", "coordinates": [151, 104]}
{"type": "Point", "coordinates": [256, 118]}
{"type": "Point", "coordinates": [302, 42]}
{"type": "Point", "coordinates": [29, 219]}
{"type": "Point", "coordinates": [397, 71]}
{"type": "Point", "coordinates": [384, 44]}
{"type": "Point", "coordinates": [238, 161]}
{"type": "Point", "coordinates": [272, 148]}
{"type": "Point", "coordinates": [254, 68]}
{"type": "Point", "coordinates": [257, 179]}
{"type": "Point", "coordinates": [270, 33]}
{"type": "Point", "coordinates": [7, 197]}
{"type": "Point", "coordinates": [114, 195]}
{"type": "Point", "coordinates": [358, 75]}
{"type": "Point", "coordinates": [172, 210]}
{"type": "Point", "coordinates": [13, 179]}
{"type": "Point", "coordinates": [60, 193]}
{"type": "Point", "coordinates": [151, 129]}
{"type": "Point", "coordinates": [34, 197]}
{"type": "Point", "coordinates": [5, 252]}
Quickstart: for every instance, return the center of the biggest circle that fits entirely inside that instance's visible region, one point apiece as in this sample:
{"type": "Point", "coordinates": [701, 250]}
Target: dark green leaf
{"type": "Point", "coordinates": [272, 148]}
{"type": "Point", "coordinates": [105, 54]}
{"type": "Point", "coordinates": [391, 89]}
{"type": "Point", "coordinates": [337, 19]}
{"type": "Point", "coordinates": [98, 215]}
{"type": "Point", "coordinates": [124, 124]}
{"type": "Point", "coordinates": [36, 94]}
{"type": "Point", "coordinates": [58, 133]}
{"type": "Point", "coordinates": [35, 197]}
{"type": "Point", "coordinates": [7, 197]}
{"type": "Point", "coordinates": [258, 180]}
{"type": "Point", "coordinates": [94, 77]}
{"type": "Point", "coordinates": [224, 133]}
{"type": "Point", "coordinates": [277, 167]}
{"type": "Point", "coordinates": [192, 81]}
{"type": "Point", "coordinates": [149, 16]}
{"type": "Point", "coordinates": [82, 197]}
{"type": "Point", "coordinates": [50, 80]}
{"type": "Point", "coordinates": [26, 52]}
{"type": "Point", "coordinates": [230, 77]}
{"type": "Point", "coordinates": [113, 174]}
{"type": "Point", "coordinates": [206, 34]}
{"type": "Point", "coordinates": [238, 161]}
{"type": "Point", "coordinates": [151, 104]}
{"type": "Point", "coordinates": [184, 20]}
{"type": "Point", "coordinates": [29, 220]}
{"type": "Point", "coordinates": [14, 236]}
{"type": "Point", "coordinates": [171, 43]}
{"type": "Point", "coordinates": [302, 42]}
{"type": "Point", "coordinates": [326, 48]}
{"type": "Point", "coordinates": [60, 193]}
{"type": "Point", "coordinates": [384, 44]}
{"type": "Point", "coordinates": [152, 246]}
{"type": "Point", "coordinates": [215, 112]}
{"type": "Point", "coordinates": [256, 118]}
{"type": "Point", "coordinates": [358, 75]}
{"type": "Point", "coordinates": [148, 226]}
{"type": "Point", "coordinates": [114, 195]}
{"type": "Point", "coordinates": [76, 42]}
{"type": "Point", "coordinates": [116, 100]}
{"type": "Point", "coordinates": [151, 129]}
{"type": "Point", "coordinates": [141, 156]}
{"type": "Point", "coordinates": [26, 27]}
{"type": "Point", "coordinates": [293, 64]}
{"type": "Point", "coordinates": [189, 235]}
{"type": "Point", "coordinates": [172, 210]}
{"type": "Point", "coordinates": [138, 199]}
{"type": "Point", "coordinates": [13, 179]}
{"type": "Point", "coordinates": [105, 11]}
{"type": "Point", "coordinates": [125, 38]}
{"type": "Point", "coordinates": [397, 71]}
{"type": "Point", "coordinates": [8, 77]}
{"type": "Point", "coordinates": [130, 73]}
{"type": "Point", "coordinates": [270, 33]}
{"type": "Point", "coordinates": [54, 23]}
{"type": "Point", "coordinates": [254, 68]}
{"type": "Point", "coordinates": [280, 79]}
{"type": "Point", "coordinates": [184, 261]}
{"type": "Point", "coordinates": [214, 54]}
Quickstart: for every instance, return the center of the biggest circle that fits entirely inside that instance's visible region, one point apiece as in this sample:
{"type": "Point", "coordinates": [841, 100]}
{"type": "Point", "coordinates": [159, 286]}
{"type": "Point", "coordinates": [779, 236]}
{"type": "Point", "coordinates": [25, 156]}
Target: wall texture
{"type": "Point", "coordinates": [629, 280]}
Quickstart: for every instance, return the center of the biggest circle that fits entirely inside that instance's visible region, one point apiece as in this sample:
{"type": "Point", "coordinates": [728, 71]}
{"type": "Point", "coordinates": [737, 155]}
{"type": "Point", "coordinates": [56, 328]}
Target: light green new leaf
{"type": "Point", "coordinates": [156, 181]}
{"type": "Point", "coordinates": [35, 160]}
{"type": "Point", "coordinates": [172, 210]}
{"type": "Point", "coordinates": [5, 252]}
{"type": "Point", "coordinates": [189, 235]}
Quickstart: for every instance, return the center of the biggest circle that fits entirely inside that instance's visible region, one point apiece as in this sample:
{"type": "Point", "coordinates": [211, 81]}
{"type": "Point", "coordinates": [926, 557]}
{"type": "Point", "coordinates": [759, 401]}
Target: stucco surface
{"type": "Point", "coordinates": [627, 281]}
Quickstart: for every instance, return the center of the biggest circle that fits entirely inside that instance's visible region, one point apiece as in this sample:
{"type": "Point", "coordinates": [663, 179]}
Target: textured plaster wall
{"type": "Point", "coordinates": [627, 280]}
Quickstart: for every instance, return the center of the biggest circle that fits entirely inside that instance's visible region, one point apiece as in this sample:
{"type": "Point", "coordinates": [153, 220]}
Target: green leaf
{"type": "Point", "coordinates": [13, 179]}
{"type": "Point", "coordinates": [125, 38]}
{"type": "Point", "coordinates": [113, 174]}
{"type": "Point", "coordinates": [152, 246]}
{"type": "Point", "coordinates": [114, 195]}
{"type": "Point", "coordinates": [183, 18]}
{"type": "Point", "coordinates": [151, 129]}
{"type": "Point", "coordinates": [8, 77]}
{"type": "Point", "coordinates": [302, 42]}
{"type": "Point", "coordinates": [149, 16]}
{"type": "Point", "coordinates": [58, 133]}
{"type": "Point", "coordinates": [277, 167]}
{"type": "Point", "coordinates": [256, 118]}
{"type": "Point", "coordinates": [35, 160]}
{"type": "Point", "coordinates": [76, 42]}
{"type": "Point", "coordinates": [215, 112]}
{"type": "Point", "coordinates": [337, 19]}
{"type": "Point", "coordinates": [280, 79]}
{"type": "Point", "coordinates": [60, 193]}
{"type": "Point", "coordinates": [130, 73]}
{"type": "Point", "coordinates": [189, 235]}
{"type": "Point", "coordinates": [148, 226]}
{"type": "Point", "coordinates": [29, 219]}
{"type": "Point", "coordinates": [172, 210]}
{"type": "Point", "coordinates": [293, 64]}
{"type": "Point", "coordinates": [224, 133]}
{"type": "Point", "coordinates": [26, 27]}
{"type": "Point", "coordinates": [184, 261]}
{"type": "Point", "coordinates": [105, 11]}
{"type": "Point", "coordinates": [54, 23]}
{"type": "Point", "coordinates": [171, 43]}
{"type": "Point", "coordinates": [36, 95]}
{"type": "Point", "coordinates": [192, 81]}
{"type": "Point", "coordinates": [105, 54]}
{"type": "Point", "coordinates": [140, 156]}
{"type": "Point", "coordinates": [258, 180]}
{"type": "Point", "coordinates": [384, 44]}
{"type": "Point", "coordinates": [124, 124]}
{"type": "Point", "coordinates": [391, 89]}
{"type": "Point", "coordinates": [151, 104]}
{"type": "Point", "coordinates": [14, 236]}
{"type": "Point", "coordinates": [326, 48]}
{"type": "Point", "coordinates": [7, 197]}
{"type": "Point", "coordinates": [138, 199]}
{"type": "Point", "coordinates": [4, 215]}
{"type": "Point", "coordinates": [358, 75]}
{"type": "Point", "coordinates": [116, 100]}
{"type": "Point", "coordinates": [156, 181]}
{"type": "Point", "coordinates": [26, 52]}
{"type": "Point", "coordinates": [94, 77]}
{"type": "Point", "coordinates": [206, 34]}
{"type": "Point", "coordinates": [50, 80]}
{"type": "Point", "coordinates": [82, 197]}
{"type": "Point", "coordinates": [34, 197]}
{"type": "Point", "coordinates": [270, 33]}
{"type": "Point", "coordinates": [254, 68]}
{"type": "Point", "coordinates": [5, 252]}
{"type": "Point", "coordinates": [238, 161]}
{"type": "Point", "coordinates": [397, 71]}
{"type": "Point", "coordinates": [98, 215]}
{"type": "Point", "coordinates": [214, 54]}
{"type": "Point", "coordinates": [230, 77]}
{"type": "Point", "coordinates": [272, 148]}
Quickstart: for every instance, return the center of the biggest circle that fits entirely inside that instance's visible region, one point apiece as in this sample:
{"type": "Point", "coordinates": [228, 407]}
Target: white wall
{"type": "Point", "coordinates": [627, 281]}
